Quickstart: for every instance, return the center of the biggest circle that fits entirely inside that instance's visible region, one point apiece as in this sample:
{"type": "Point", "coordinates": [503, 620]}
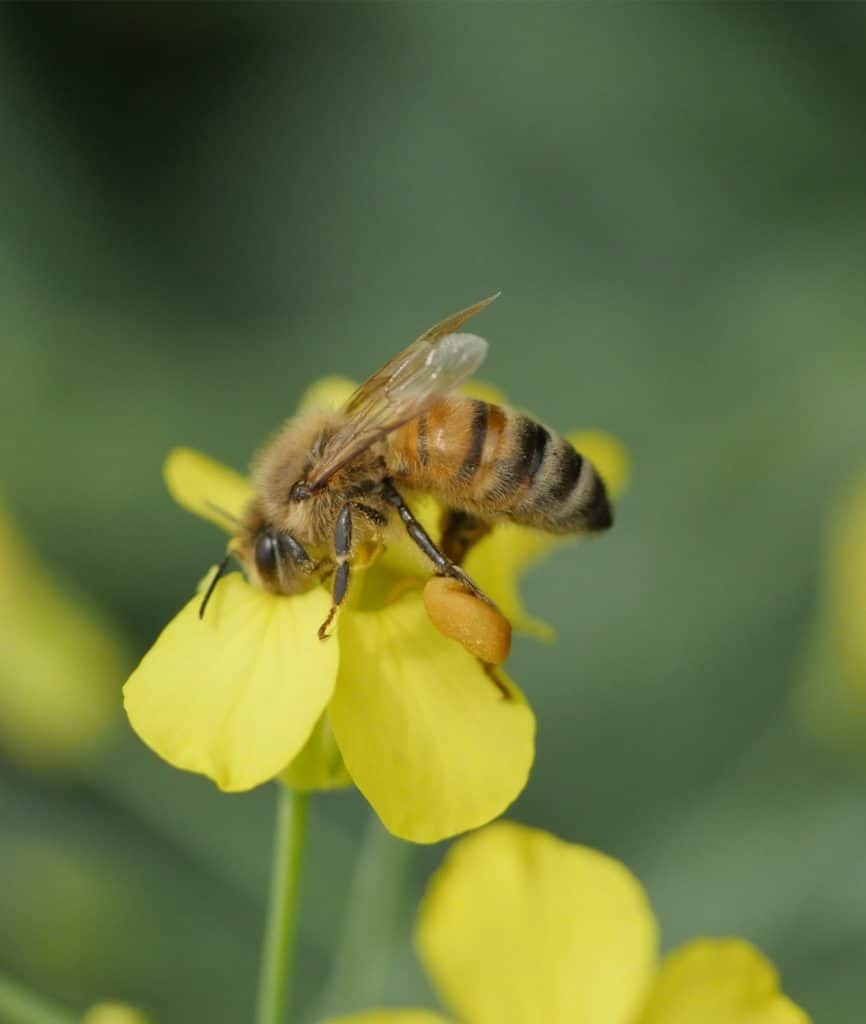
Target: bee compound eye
{"type": "Point", "coordinates": [266, 554]}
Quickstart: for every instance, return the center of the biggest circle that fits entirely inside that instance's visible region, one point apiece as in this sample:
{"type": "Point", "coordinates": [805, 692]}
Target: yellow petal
{"type": "Point", "coordinates": [719, 981]}
{"type": "Point", "coordinates": [391, 1017]}
{"type": "Point", "coordinates": [235, 695]}
{"type": "Point", "coordinates": [832, 692]}
{"type": "Point", "coordinates": [484, 390]}
{"type": "Point", "coordinates": [319, 766]}
{"type": "Point", "coordinates": [113, 1013]}
{"type": "Point", "coordinates": [329, 393]}
{"type": "Point", "coordinates": [206, 487]}
{"type": "Point", "coordinates": [519, 927]}
{"type": "Point", "coordinates": [847, 585]}
{"type": "Point", "coordinates": [334, 391]}
{"type": "Point", "coordinates": [496, 564]}
{"type": "Point", "coordinates": [426, 734]}
{"type": "Point", "coordinates": [61, 664]}
{"type": "Point", "coordinates": [498, 561]}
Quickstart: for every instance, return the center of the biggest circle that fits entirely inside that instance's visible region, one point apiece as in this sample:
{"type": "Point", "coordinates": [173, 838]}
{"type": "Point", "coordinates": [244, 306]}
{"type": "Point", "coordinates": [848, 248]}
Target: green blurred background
{"type": "Point", "coordinates": [208, 206]}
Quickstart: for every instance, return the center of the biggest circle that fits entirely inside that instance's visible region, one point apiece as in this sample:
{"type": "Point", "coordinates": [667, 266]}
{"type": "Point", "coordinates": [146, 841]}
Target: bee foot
{"type": "Point", "coordinates": [490, 671]}
{"type": "Point", "coordinates": [323, 629]}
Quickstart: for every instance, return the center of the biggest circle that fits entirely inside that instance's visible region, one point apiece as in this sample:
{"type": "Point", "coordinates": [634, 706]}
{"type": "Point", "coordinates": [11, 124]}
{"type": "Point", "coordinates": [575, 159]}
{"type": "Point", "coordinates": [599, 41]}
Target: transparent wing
{"type": "Point", "coordinates": [405, 387]}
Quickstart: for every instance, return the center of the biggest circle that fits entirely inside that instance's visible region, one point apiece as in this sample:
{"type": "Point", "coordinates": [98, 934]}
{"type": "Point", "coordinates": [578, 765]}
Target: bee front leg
{"type": "Point", "coordinates": [342, 551]}
{"type": "Point", "coordinates": [420, 536]}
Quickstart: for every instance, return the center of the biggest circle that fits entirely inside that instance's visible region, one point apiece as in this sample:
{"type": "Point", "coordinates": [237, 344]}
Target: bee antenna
{"type": "Point", "coordinates": [217, 576]}
{"type": "Point", "coordinates": [229, 518]}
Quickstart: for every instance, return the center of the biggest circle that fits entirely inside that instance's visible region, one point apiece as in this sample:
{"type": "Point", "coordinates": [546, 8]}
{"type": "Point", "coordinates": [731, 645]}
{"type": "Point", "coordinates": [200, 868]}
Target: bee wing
{"type": "Point", "coordinates": [405, 387]}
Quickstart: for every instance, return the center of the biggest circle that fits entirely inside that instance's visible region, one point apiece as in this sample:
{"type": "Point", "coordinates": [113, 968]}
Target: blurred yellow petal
{"type": "Point", "coordinates": [485, 391]}
{"type": "Point", "coordinates": [206, 487]}
{"type": "Point", "coordinates": [519, 927]}
{"type": "Point", "coordinates": [846, 585]}
{"type": "Point", "coordinates": [333, 392]}
{"type": "Point", "coordinates": [319, 766]}
{"type": "Point", "coordinates": [329, 393]}
{"type": "Point", "coordinates": [496, 564]}
{"type": "Point", "coordinates": [719, 981]}
{"type": "Point", "coordinates": [113, 1013]}
{"type": "Point", "coordinates": [832, 693]}
{"type": "Point", "coordinates": [391, 1017]}
{"type": "Point", "coordinates": [498, 561]}
{"type": "Point", "coordinates": [61, 664]}
{"type": "Point", "coordinates": [235, 695]}
{"type": "Point", "coordinates": [607, 454]}
{"type": "Point", "coordinates": [426, 734]}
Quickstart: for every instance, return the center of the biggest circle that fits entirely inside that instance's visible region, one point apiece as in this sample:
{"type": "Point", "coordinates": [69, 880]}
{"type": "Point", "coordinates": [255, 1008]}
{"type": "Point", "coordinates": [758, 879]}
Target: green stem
{"type": "Point", "coordinates": [276, 968]}
{"type": "Point", "coordinates": [377, 914]}
{"type": "Point", "coordinates": [20, 1006]}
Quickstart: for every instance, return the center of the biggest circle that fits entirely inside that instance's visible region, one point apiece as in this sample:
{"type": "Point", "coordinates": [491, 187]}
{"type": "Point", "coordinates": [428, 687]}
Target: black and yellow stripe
{"type": "Point", "coordinates": [477, 437]}
{"type": "Point", "coordinates": [493, 462]}
{"type": "Point", "coordinates": [564, 492]}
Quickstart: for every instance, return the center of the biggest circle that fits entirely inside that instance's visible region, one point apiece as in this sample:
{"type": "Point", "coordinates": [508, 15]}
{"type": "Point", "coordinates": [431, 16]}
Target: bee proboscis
{"type": "Point", "coordinates": [329, 484]}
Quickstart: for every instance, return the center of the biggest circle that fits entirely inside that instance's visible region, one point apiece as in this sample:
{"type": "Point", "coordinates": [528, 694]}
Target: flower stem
{"type": "Point", "coordinates": [276, 967]}
{"type": "Point", "coordinates": [20, 1006]}
{"type": "Point", "coordinates": [377, 915]}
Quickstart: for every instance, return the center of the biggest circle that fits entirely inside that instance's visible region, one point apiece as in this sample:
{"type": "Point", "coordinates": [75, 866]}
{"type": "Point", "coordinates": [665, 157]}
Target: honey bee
{"type": "Point", "coordinates": [328, 485]}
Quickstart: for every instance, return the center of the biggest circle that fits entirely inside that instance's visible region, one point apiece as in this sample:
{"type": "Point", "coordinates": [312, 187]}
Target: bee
{"type": "Point", "coordinates": [329, 485]}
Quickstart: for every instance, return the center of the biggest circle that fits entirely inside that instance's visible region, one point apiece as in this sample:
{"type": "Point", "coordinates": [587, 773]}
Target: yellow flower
{"type": "Point", "coordinates": [249, 691]}
{"type": "Point", "coordinates": [60, 664]}
{"type": "Point", "coordinates": [519, 927]}
{"type": "Point", "coordinates": [113, 1013]}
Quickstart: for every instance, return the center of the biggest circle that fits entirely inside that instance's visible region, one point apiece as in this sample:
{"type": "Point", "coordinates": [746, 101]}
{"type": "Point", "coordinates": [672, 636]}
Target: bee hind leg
{"type": "Point", "coordinates": [460, 532]}
{"type": "Point", "coordinates": [444, 565]}
{"type": "Point", "coordinates": [342, 568]}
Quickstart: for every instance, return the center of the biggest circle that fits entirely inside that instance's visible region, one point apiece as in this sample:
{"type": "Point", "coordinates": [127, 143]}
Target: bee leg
{"type": "Point", "coordinates": [420, 536]}
{"type": "Point", "coordinates": [342, 550]}
{"type": "Point", "coordinates": [460, 531]}
{"type": "Point", "coordinates": [288, 549]}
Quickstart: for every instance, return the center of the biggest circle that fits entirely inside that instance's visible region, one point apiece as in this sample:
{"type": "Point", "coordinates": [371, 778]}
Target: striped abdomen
{"type": "Point", "coordinates": [494, 462]}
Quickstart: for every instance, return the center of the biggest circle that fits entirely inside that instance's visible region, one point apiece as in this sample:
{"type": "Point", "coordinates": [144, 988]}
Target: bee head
{"type": "Point", "coordinates": [270, 558]}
